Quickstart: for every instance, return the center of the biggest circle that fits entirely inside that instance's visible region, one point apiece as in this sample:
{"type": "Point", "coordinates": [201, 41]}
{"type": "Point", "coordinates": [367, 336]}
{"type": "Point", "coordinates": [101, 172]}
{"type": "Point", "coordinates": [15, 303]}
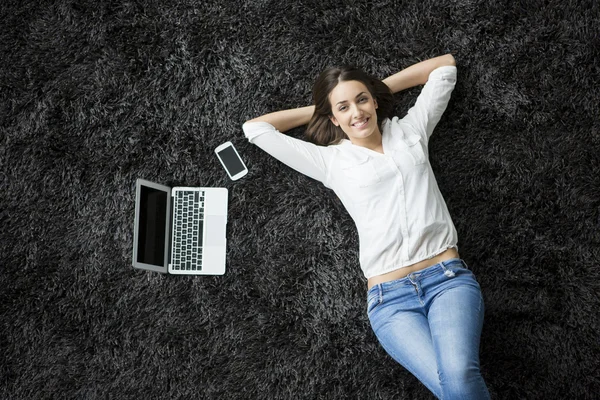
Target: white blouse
{"type": "Point", "coordinates": [393, 198]}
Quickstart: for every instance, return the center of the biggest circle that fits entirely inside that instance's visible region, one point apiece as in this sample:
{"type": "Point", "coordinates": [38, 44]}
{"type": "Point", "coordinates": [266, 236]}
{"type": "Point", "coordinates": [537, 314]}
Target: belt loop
{"type": "Point", "coordinates": [411, 278]}
{"type": "Point", "coordinates": [448, 272]}
{"type": "Point", "coordinates": [380, 289]}
{"type": "Point", "coordinates": [464, 263]}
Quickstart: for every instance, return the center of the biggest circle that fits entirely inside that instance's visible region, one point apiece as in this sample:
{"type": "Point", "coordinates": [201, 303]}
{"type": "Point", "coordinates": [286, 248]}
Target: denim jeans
{"type": "Point", "coordinates": [430, 322]}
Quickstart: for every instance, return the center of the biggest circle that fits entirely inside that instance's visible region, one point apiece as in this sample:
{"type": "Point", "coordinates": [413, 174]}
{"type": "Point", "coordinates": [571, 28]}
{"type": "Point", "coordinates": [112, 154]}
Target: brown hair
{"type": "Point", "coordinates": [320, 129]}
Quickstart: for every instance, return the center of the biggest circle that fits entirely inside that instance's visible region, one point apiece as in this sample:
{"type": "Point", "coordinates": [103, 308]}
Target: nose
{"type": "Point", "coordinates": [357, 113]}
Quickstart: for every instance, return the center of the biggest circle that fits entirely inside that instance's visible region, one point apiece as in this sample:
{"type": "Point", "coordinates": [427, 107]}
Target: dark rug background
{"type": "Point", "coordinates": [94, 96]}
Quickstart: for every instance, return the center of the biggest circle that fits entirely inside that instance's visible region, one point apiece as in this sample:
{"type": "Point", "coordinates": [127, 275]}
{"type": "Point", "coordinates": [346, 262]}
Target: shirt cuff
{"type": "Point", "coordinates": [447, 72]}
{"type": "Point", "coordinates": [252, 130]}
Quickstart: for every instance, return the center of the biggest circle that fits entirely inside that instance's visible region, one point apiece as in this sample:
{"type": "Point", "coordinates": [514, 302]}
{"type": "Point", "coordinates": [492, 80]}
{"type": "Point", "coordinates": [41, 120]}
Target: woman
{"type": "Point", "coordinates": [424, 304]}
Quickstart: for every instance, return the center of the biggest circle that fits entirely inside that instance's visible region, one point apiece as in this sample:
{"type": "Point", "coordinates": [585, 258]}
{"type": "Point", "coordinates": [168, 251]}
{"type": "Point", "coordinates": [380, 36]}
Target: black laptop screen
{"type": "Point", "coordinates": [152, 226]}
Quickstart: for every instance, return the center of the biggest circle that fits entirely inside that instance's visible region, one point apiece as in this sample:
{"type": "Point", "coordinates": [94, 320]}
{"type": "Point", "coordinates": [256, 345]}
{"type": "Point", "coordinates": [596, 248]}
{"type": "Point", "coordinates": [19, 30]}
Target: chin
{"type": "Point", "coordinates": [361, 135]}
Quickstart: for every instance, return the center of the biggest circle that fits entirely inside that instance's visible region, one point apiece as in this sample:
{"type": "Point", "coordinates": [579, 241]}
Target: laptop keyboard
{"type": "Point", "coordinates": [187, 230]}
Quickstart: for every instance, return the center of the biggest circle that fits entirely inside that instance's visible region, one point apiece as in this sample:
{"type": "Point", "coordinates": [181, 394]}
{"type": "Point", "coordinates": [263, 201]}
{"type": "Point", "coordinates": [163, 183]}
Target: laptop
{"type": "Point", "coordinates": [180, 230]}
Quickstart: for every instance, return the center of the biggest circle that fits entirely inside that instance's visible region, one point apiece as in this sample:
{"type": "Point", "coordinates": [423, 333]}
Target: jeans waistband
{"type": "Point", "coordinates": [433, 269]}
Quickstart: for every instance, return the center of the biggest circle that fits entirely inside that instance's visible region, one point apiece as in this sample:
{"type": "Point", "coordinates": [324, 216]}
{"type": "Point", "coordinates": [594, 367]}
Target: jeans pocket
{"type": "Point", "coordinates": [463, 271]}
{"type": "Point", "coordinates": [373, 301]}
{"type": "Point", "coordinates": [454, 269]}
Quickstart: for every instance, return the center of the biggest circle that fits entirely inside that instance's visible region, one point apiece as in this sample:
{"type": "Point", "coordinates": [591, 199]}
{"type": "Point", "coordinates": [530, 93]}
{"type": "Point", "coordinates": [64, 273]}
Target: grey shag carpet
{"type": "Point", "coordinates": [96, 94]}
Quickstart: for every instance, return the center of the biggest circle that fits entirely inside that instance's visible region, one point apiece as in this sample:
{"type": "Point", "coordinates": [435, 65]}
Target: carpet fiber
{"type": "Point", "coordinates": [94, 95]}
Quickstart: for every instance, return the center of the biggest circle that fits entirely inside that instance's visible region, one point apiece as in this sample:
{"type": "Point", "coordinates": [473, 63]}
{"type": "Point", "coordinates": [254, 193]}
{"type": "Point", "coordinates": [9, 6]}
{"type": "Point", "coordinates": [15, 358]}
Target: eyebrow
{"type": "Point", "coordinates": [357, 96]}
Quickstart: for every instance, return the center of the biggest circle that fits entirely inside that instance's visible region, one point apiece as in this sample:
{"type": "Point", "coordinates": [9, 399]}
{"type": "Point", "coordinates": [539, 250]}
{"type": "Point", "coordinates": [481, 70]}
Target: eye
{"type": "Point", "coordinates": [342, 108]}
{"type": "Point", "coordinates": [363, 99]}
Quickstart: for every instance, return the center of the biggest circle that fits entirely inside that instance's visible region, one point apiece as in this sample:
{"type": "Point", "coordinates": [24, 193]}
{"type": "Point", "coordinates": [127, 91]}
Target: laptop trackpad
{"type": "Point", "coordinates": [215, 230]}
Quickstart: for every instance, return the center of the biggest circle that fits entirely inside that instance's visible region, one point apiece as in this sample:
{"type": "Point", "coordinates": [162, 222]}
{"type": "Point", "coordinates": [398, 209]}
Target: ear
{"type": "Point", "coordinates": [334, 120]}
{"type": "Point", "coordinates": [375, 101]}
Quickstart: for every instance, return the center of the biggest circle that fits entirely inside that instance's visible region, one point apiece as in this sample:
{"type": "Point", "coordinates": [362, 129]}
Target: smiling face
{"type": "Point", "coordinates": [354, 110]}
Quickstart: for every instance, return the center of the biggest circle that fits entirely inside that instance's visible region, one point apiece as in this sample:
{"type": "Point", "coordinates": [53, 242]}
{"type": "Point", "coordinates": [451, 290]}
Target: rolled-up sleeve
{"type": "Point", "coordinates": [306, 158]}
{"type": "Point", "coordinates": [432, 101]}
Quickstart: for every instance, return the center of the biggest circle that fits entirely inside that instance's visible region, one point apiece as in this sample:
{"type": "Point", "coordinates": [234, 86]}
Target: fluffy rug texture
{"type": "Point", "coordinates": [94, 95]}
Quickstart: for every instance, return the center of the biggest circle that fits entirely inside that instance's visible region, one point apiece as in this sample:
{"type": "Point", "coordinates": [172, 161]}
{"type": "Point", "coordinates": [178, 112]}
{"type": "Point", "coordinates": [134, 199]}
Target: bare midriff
{"type": "Point", "coordinates": [402, 272]}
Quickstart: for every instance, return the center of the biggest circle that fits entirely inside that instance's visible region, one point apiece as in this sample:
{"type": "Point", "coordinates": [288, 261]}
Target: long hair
{"type": "Point", "coordinates": [320, 129]}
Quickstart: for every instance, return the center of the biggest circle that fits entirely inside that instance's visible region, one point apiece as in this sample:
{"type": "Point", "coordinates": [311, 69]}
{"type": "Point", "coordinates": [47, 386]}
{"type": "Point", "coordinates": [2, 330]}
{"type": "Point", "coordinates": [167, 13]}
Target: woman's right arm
{"type": "Point", "coordinates": [287, 119]}
{"type": "Point", "coordinates": [306, 158]}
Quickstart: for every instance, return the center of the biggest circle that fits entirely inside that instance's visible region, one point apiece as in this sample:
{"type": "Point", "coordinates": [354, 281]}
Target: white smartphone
{"type": "Point", "coordinates": [231, 161]}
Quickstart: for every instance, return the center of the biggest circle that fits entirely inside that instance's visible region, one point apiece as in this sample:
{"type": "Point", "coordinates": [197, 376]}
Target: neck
{"type": "Point", "coordinates": [372, 142]}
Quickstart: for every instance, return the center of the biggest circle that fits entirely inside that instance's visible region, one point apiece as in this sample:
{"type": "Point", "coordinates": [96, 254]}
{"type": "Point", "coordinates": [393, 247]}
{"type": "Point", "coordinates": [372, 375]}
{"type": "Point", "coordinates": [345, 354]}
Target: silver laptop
{"type": "Point", "coordinates": [180, 230]}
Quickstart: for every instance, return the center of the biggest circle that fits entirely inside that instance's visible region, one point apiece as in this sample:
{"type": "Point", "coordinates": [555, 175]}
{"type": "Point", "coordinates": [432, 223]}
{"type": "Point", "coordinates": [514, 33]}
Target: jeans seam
{"type": "Point", "coordinates": [464, 263]}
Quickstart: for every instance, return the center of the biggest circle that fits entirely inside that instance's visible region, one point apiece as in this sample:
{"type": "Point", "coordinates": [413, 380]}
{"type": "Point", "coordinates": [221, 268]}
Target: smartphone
{"type": "Point", "coordinates": [231, 161]}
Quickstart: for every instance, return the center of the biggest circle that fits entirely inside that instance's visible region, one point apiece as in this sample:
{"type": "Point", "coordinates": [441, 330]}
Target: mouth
{"type": "Point", "coordinates": [361, 124]}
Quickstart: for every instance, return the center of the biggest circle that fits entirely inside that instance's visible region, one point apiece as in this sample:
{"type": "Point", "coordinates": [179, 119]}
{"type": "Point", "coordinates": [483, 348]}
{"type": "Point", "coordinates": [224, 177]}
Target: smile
{"type": "Point", "coordinates": [361, 124]}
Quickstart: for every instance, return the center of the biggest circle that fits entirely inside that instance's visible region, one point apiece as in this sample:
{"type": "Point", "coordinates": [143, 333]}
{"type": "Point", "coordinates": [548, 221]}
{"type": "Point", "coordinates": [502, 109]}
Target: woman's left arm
{"type": "Point", "coordinates": [417, 74]}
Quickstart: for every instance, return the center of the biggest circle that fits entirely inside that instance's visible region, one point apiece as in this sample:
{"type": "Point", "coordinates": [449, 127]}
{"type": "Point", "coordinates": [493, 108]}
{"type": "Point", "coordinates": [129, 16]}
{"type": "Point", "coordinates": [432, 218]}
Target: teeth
{"type": "Point", "coordinates": [361, 123]}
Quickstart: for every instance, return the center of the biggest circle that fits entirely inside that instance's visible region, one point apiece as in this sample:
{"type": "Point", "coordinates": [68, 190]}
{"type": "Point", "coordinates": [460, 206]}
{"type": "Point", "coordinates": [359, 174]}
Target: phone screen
{"type": "Point", "coordinates": [231, 160]}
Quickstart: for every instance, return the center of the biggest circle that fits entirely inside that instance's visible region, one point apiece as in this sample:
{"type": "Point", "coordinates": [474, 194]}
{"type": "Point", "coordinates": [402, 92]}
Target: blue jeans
{"type": "Point", "coordinates": [430, 322]}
